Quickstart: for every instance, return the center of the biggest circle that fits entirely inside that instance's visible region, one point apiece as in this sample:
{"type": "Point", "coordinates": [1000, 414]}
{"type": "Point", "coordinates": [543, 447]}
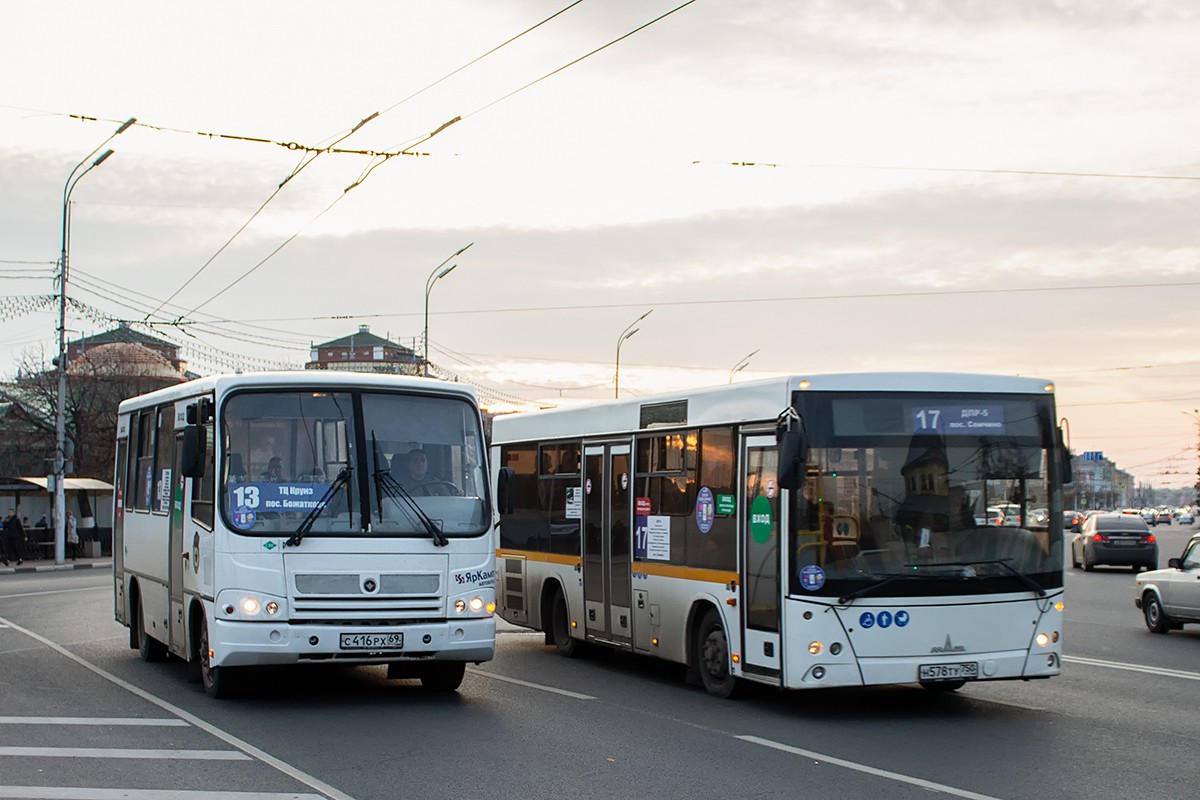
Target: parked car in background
{"type": "Point", "coordinates": [1170, 597]}
{"type": "Point", "coordinates": [1072, 520]}
{"type": "Point", "coordinates": [1119, 540]}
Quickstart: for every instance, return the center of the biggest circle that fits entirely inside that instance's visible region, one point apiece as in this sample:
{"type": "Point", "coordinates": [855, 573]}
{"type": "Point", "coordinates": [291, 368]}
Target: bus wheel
{"type": "Point", "coordinates": [219, 682]}
{"type": "Point", "coordinates": [560, 627]}
{"type": "Point", "coordinates": [712, 656]}
{"type": "Point", "coordinates": [149, 648]}
{"type": "Point", "coordinates": [446, 676]}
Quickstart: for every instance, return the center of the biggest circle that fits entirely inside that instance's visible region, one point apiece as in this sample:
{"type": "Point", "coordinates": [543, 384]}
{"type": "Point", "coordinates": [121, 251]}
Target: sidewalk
{"type": "Point", "coordinates": [48, 565]}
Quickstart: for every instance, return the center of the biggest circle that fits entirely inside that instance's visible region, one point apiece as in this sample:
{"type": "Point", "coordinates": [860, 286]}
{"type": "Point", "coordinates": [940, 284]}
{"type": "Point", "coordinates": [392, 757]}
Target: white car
{"type": "Point", "coordinates": [1186, 518]}
{"type": "Point", "coordinates": [1170, 597]}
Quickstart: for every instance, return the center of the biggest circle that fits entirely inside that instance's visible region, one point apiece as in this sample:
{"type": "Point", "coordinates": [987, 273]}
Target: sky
{"type": "Point", "coordinates": [924, 185]}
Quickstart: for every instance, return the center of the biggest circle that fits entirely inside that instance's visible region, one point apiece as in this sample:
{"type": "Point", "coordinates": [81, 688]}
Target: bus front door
{"type": "Point", "coordinates": [761, 591]}
{"type": "Point", "coordinates": [607, 555]}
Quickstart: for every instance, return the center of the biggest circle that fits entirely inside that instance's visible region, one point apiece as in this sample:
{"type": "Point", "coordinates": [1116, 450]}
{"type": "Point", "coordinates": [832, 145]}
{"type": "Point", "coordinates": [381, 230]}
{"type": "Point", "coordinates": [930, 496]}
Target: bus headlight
{"type": "Point", "coordinates": [1043, 640]}
{"type": "Point", "coordinates": [460, 606]}
{"type": "Point", "coordinates": [476, 604]}
{"type": "Point", "coordinates": [815, 648]}
{"type": "Point", "coordinates": [240, 604]}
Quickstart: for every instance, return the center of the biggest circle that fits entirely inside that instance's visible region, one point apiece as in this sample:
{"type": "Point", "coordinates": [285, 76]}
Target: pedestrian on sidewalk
{"type": "Point", "coordinates": [10, 539]}
{"type": "Point", "coordinates": [72, 534]}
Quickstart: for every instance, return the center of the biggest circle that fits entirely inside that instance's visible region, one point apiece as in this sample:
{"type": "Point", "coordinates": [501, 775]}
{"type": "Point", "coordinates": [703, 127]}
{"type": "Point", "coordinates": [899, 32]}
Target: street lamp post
{"type": "Point", "coordinates": [625, 334]}
{"type": "Point", "coordinates": [434, 277]}
{"type": "Point", "coordinates": [60, 415]}
{"type": "Point", "coordinates": [742, 364]}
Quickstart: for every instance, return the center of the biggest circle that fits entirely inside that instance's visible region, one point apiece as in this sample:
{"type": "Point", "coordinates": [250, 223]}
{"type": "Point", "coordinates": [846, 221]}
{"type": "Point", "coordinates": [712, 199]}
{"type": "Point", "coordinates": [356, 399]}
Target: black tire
{"type": "Point", "coordinates": [944, 686]}
{"type": "Point", "coordinates": [135, 627]}
{"type": "Point", "coordinates": [1074, 561]}
{"type": "Point", "coordinates": [193, 663]}
{"type": "Point", "coordinates": [445, 676]}
{"type": "Point", "coordinates": [560, 627]}
{"type": "Point", "coordinates": [219, 682]}
{"type": "Point", "coordinates": [1152, 611]}
{"type": "Point", "coordinates": [711, 655]}
{"type": "Point", "coordinates": [1088, 564]}
{"type": "Point", "coordinates": [149, 648]}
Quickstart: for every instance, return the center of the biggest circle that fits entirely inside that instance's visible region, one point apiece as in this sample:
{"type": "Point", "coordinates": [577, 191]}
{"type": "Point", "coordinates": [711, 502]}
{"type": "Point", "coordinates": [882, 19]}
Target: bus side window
{"type": "Point", "coordinates": [143, 477]}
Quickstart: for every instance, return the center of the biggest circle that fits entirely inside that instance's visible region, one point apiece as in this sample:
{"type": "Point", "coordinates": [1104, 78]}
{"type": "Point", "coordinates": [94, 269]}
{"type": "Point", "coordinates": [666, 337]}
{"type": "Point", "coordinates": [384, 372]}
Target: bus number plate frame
{"type": "Point", "coordinates": [936, 673]}
{"type": "Point", "coordinates": [371, 641]}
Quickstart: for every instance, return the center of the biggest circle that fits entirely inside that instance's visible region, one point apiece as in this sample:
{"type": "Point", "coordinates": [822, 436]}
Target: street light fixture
{"type": "Point", "coordinates": [434, 277]}
{"type": "Point", "coordinates": [625, 334]}
{"type": "Point", "coordinates": [60, 415]}
{"type": "Point", "coordinates": [742, 364]}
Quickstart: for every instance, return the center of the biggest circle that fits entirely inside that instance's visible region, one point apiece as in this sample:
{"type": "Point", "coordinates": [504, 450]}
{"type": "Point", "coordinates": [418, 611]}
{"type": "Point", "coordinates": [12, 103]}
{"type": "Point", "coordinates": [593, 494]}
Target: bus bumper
{"type": "Point", "coordinates": [237, 644]}
{"type": "Point", "coordinates": [995, 666]}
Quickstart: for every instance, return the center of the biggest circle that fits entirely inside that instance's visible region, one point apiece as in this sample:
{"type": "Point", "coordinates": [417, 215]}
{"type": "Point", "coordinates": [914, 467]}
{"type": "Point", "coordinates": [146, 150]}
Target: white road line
{"type": "Point", "coordinates": [149, 722]}
{"type": "Point", "coordinates": [247, 748]}
{"type": "Point", "coordinates": [538, 686]}
{"type": "Point", "coordinates": [86, 793]}
{"type": "Point", "coordinates": [881, 773]}
{"type": "Point", "coordinates": [107, 588]}
{"type": "Point", "coordinates": [120, 752]}
{"type": "Point", "coordinates": [1163, 671]}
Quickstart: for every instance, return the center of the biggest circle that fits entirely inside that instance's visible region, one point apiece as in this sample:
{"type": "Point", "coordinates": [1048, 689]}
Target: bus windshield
{"type": "Point", "coordinates": [919, 495]}
{"type": "Point", "coordinates": [357, 463]}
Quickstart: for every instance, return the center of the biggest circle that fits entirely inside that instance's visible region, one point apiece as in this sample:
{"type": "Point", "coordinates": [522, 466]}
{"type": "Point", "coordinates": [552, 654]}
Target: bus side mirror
{"type": "Point", "coordinates": [194, 447]}
{"type": "Point", "coordinates": [1064, 460]}
{"type": "Point", "coordinates": [793, 459]}
{"type": "Point", "coordinates": [504, 489]}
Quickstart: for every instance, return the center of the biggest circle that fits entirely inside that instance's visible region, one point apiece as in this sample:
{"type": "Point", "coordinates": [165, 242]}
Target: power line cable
{"type": "Point", "coordinates": [979, 170]}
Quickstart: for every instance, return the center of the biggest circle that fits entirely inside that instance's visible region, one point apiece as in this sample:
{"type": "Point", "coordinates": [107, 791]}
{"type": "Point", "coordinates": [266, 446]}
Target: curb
{"type": "Point", "coordinates": [56, 567]}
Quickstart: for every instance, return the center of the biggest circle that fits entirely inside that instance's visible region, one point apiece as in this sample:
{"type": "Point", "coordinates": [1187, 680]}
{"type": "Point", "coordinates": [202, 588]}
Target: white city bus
{"type": "Point", "coordinates": [273, 519]}
{"type": "Point", "coordinates": [798, 532]}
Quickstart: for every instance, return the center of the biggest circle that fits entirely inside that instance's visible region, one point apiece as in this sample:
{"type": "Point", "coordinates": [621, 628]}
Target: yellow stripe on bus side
{"type": "Point", "coordinates": [687, 573]}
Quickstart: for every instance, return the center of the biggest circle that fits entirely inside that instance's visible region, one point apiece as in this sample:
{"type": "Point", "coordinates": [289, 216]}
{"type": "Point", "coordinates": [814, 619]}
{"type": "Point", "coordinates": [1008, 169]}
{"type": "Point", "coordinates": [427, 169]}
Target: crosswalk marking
{"type": "Point", "coordinates": [118, 752]}
{"type": "Point", "coordinates": [149, 722]}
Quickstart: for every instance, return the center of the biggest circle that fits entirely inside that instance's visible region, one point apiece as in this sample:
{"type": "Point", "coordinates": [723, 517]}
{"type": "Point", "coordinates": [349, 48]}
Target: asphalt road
{"type": "Point", "coordinates": [82, 717]}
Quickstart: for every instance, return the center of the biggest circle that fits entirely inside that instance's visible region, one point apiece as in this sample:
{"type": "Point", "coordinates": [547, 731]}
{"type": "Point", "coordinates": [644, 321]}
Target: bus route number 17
{"type": "Point", "coordinates": [927, 419]}
{"type": "Point", "coordinates": [246, 496]}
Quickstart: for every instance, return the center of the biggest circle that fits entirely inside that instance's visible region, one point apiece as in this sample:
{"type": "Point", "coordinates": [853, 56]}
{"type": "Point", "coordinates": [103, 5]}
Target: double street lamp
{"type": "Point", "coordinates": [742, 364]}
{"type": "Point", "coordinates": [434, 277]}
{"type": "Point", "coordinates": [60, 417]}
{"type": "Point", "coordinates": [625, 334]}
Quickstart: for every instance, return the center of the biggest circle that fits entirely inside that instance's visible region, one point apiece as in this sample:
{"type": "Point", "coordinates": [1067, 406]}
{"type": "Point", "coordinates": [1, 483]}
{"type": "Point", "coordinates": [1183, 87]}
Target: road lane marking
{"type": "Point", "coordinates": [1163, 671]}
{"type": "Point", "coordinates": [126, 721]}
{"type": "Point", "coordinates": [107, 588]}
{"type": "Point", "coordinates": [121, 752]}
{"type": "Point", "coordinates": [87, 793]}
{"type": "Point", "coordinates": [287, 769]}
{"type": "Point", "coordinates": [880, 773]}
{"type": "Point", "coordinates": [538, 686]}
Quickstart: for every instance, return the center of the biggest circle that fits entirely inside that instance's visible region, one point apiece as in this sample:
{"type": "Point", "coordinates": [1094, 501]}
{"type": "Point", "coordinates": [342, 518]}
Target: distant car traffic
{"type": "Point", "coordinates": [1170, 597]}
{"type": "Point", "coordinates": [1072, 520]}
{"type": "Point", "coordinates": [1163, 517]}
{"type": "Point", "coordinates": [1186, 517]}
{"type": "Point", "coordinates": [1119, 540]}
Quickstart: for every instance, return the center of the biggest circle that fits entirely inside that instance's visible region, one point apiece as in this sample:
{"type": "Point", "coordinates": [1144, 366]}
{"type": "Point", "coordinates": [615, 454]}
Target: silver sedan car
{"type": "Point", "coordinates": [1170, 597]}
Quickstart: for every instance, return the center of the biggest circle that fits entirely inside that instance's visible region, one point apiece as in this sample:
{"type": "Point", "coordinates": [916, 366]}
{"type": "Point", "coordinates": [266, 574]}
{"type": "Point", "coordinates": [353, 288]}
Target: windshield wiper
{"type": "Point", "coordinates": [385, 484]}
{"type": "Point", "coordinates": [1003, 562]}
{"type": "Point", "coordinates": [343, 478]}
{"type": "Point", "coordinates": [872, 587]}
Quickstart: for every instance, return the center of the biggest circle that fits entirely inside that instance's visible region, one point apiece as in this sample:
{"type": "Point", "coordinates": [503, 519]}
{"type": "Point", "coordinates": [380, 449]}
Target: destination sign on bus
{"type": "Point", "coordinates": [276, 496]}
{"type": "Point", "coordinates": [958, 419]}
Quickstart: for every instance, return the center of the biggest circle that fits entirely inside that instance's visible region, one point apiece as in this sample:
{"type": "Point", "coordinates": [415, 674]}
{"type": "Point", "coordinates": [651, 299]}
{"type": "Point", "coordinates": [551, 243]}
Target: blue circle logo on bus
{"type": "Point", "coordinates": [866, 619]}
{"type": "Point", "coordinates": [243, 518]}
{"type": "Point", "coordinates": [885, 619]}
{"type": "Point", "coordinates": [901, 619]}
{"type": "Point", "coordinates": [705, 509]}
{"type": "Point", "coordinates": [812, 577]}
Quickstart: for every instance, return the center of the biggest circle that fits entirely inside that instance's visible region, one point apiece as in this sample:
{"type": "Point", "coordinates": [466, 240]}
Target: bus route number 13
{"type": "Point", "coordinates": [246, 496]}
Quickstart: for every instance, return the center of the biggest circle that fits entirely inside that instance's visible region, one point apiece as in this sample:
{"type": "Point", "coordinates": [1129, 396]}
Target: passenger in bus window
{"type": "Point", "coordinates": [274, 473]}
